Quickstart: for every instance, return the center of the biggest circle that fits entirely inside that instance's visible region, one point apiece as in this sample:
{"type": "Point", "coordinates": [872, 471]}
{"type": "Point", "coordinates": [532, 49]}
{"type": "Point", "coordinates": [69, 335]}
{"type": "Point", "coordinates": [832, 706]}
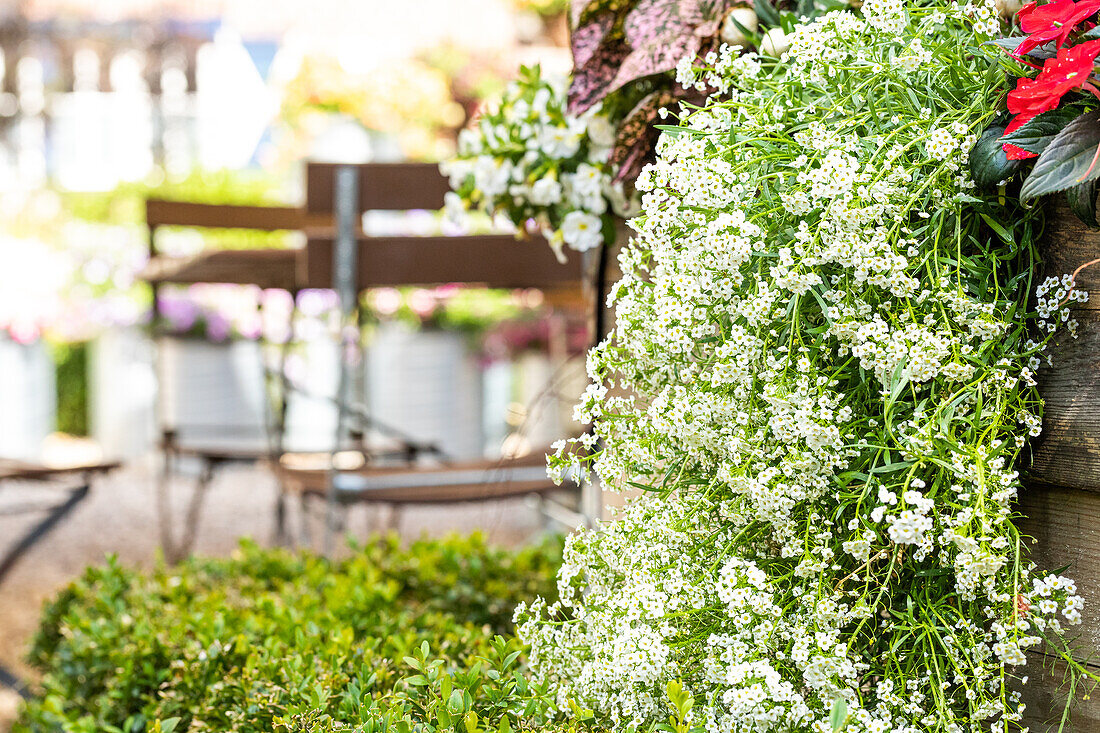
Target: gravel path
{"type": "Point", "coordinates": [119, 517]}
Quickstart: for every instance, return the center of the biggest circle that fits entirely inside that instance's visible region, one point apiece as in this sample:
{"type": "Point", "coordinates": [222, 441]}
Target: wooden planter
{"type": "Point", "coordinates": [1062, 499]}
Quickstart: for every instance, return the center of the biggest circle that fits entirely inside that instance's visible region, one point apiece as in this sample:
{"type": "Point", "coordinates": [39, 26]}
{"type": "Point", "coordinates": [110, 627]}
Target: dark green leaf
{"type": "Point", "coordinates": [766, 12]}
{"type": "Point", "coordinates": [1082, 201]}
{"type": "Point", "coordinates": [1070, 158]}
{"type": "Point", "coordinates": [1037, 133]}
{"type": "Point", "coordinates": [988, 163]}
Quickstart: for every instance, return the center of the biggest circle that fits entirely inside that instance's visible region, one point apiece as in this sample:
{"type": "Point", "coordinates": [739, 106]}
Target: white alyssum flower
{"type": "Point", "coordinates": [826, 399]}
{"type": "Point", "coordinates": [581, 231]}
{"type": "Point", "coordinates": [529, 160]}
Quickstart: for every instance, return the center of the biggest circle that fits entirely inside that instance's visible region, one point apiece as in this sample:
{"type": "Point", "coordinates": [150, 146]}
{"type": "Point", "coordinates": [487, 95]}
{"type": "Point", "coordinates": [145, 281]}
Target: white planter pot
{"type": "Point", "coordinates": [428, 385]}
{"type": "Point", "coordinates": [213, 393]}
{"type": "Point", "coordinates": [28, 398]}
{"type": "Point", "coordinates": [121, 392]}
{"type": "Point", "coordinates": [536, 391]}
{"type": "Point", "coordinates": [314, 370]}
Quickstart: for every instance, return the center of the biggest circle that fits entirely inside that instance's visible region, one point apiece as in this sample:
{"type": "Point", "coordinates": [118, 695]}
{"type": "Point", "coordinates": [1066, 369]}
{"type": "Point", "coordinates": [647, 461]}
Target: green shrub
{"type": "Point", "coordinates": [389, 638]}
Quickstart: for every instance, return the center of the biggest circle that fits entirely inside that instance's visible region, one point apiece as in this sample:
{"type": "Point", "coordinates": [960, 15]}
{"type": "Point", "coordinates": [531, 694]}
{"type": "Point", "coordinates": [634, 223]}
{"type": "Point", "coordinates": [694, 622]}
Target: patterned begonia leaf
{"type": "Point", "coordinates": [705, 16]}
{"type": "Point", "coordinates": [654, 59]}
{"type": "Point", "coordinates": [637, 136]}
{"type": "Point", "coordinates": [652, 22]}
{"type": "Point", "coordinates": [592, 82]}
{"type": "Point", "coordinates": [587, 38]}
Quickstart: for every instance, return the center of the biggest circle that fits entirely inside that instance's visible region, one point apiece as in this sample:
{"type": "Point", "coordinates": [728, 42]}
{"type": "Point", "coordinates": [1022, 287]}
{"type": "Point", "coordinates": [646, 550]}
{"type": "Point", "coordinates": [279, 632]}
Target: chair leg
{"type": "Point", "coordinates": [305, 534]}
{"type": "Point", "coordinates": [164, 509]}
{"type": "Point", "coordinates": [394, 519]}
{"type": "Point", "coordinates": [282, 534]}
{"type": "Point", "coordinates": [11, 681]}
{"type": "Point", "coordinates": [194, 512]}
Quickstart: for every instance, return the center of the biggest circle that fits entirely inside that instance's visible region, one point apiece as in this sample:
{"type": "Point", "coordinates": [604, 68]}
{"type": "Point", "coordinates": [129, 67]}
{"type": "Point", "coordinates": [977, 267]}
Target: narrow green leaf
{"type": "Point", "coordinates": [766, 12]}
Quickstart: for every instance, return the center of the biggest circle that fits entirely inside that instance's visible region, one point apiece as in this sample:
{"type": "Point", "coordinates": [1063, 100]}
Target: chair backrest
{"type": "Point", "coordinates": [491, 260]}
{"type": "Point", "coordinates": [382, 187]}
{"type": "Point", "coordinates": [161, 213]}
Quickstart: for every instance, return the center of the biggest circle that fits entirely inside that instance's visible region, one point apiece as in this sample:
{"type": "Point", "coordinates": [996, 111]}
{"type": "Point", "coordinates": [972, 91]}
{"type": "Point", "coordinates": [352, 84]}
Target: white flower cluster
{"type": "Point", "coordinates": [815, 370]}
{"type": "Point", "coordinates": [531, 161]}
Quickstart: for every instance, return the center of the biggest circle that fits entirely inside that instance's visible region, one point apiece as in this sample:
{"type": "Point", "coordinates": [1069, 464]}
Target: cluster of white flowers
{"type": "Point", "coordinates": [541, 168]}
{"type": "Point", "coordinates": [818, 369]}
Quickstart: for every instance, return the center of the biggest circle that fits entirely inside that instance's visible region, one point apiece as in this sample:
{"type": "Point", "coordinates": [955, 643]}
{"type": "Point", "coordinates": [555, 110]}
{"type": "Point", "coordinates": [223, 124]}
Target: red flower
{"type": "Point", "coordinates": [1071, 69]}
{"type": "Point", "coordinates": [1052, 21]}
{"type": "Point", "coordinates": [1015, 152]}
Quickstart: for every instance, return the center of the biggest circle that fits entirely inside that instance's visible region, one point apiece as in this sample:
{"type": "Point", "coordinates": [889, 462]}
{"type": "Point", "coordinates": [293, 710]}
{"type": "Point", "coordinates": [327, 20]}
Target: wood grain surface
{"type": "Point", "coordinates": [1061, 501]}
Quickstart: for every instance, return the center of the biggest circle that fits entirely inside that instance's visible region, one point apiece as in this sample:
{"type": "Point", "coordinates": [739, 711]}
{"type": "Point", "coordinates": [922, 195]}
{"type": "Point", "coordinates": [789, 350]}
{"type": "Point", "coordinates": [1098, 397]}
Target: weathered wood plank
{"type": "Point", "coordinates": [1065, 524]}
{"type": "Point", "coordinates": [1068, 244]}
{"type": "Point", "coordinates": [1068, 451]}
{"type": "Point", "coordinates": [1061, 503]}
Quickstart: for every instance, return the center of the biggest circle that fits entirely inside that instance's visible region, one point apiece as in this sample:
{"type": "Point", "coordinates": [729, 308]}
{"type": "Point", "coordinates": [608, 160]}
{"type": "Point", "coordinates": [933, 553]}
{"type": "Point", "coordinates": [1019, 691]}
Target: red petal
{"type": "Point", "coordinates": [1015, 152]}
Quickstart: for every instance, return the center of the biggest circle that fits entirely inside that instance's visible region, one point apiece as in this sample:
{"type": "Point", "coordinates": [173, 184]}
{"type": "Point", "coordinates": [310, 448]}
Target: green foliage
{"type": "Point", "coordinates": [71, 369]}
{"type": "Point", "coordinates": [273, 640]}
{"type": "Point", "coordinates": [125, 204]}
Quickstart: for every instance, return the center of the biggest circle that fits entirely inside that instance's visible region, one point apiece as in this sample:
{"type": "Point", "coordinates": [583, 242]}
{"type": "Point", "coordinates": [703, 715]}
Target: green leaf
{"type": "Point", "coordinates": [1037, 133]}
{"type": "Point", "coordinates": [1082, 201]}
{"type": "Point", "coordinates": [988, 163]}
{"type": "Point", "coordinates": [1070, 159]}
{"type": "Point", "coordinates": [1011, 44]}
{"type": "Point", "coordinates": [167, 725]}
{"type": "Point", "coordinates": [766, 12]}
{"type": "Point", "coordinates": [1000, 230]}
{"type": "Point", "coordinates": [839, 713]}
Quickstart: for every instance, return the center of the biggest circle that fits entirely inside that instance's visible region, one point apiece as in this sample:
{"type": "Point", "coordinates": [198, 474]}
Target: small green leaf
{"type": "Point", "coordinates": [168, 725]}
{"type": "Point", "coordinates": [1068, 160]}
{"type": "Point", "coordinates": [839, 714]}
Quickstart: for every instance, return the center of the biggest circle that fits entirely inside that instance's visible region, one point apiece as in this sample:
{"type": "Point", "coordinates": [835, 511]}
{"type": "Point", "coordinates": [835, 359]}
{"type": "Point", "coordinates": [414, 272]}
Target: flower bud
{"type": "Point", "coordinates": [775, 42]}
{"type": "Point", "coordinates": [746, 18]}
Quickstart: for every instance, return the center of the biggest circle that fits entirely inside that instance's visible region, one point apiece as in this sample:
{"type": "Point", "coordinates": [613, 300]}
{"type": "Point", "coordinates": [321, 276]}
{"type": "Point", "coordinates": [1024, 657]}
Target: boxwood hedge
{"type": "Point", "coordinates": [389, 638]}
